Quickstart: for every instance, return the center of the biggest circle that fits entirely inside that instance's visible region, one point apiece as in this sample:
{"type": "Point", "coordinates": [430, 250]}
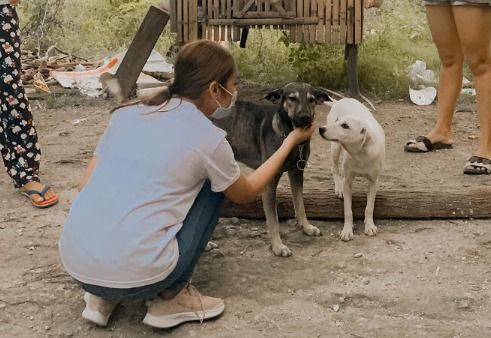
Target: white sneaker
{"type": "Point", "coordinates": [97, 310]}
{"type": "Point", "coordinates": [188, 305]}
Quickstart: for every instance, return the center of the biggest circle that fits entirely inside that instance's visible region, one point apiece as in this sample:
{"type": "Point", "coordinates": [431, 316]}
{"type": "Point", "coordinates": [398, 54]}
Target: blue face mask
{"type": "Point", "coordinates": [223, 112]}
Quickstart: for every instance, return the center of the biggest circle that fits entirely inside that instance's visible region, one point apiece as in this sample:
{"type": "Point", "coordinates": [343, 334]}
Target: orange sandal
{"type": "Point", "coordinates": [45, 203]}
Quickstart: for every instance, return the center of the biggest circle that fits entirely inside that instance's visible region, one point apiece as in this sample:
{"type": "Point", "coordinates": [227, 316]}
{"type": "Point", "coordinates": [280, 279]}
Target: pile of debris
{"type": "Point", "coordinates": [59, 72]}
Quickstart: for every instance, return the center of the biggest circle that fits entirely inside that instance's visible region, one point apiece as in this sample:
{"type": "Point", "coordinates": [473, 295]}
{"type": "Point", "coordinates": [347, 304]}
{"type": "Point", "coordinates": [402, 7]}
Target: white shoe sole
{"type": "Point", "coordinates": [167, 321]}
{"type": "Point", "coordinates": [94, 316]}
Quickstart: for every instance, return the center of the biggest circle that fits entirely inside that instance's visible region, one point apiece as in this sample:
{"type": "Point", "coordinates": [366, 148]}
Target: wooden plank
{"type": "Point", "coordinates": [223, 14]}
{"type": "Point", "coordinates": [358, 21]}
{"type": "Point", "coordinates": [335, 22]}
{"type": "Point", "coordinates": [299, 15]}
{"type": "Point", "coordinates": [399, 203]}
{"type": "Point", "coordinates": [204, 28]}
{"type": "Point", "coordinates": [342, 21]}
{"type": "Point", "coordinates": [321, 27]}
{"type": "Point", "coordinates": [185, 15]}
{"type": "Point", "coordinates": [235, 30]}
{"type": "Point", "coordinates": [173, 15]}
{"type": "Point", "coordinates": [216, 29]}
{"type": "Point", "coordinates": [140, 48]}
{"type": "Point", "coordinates": [209, 11]}
{"type": "Point", "coordinates": [229, 16]}
{"type": "Point", "coordinates": [259, 23]}
{"type": "Point", "coordinates": [328, 34]}
{"type": "Point", "coordinates": [293, 28]}
{"type": "Point", "coordinates": [313, 13]}
{"type": "Point", "coordinates": [244, 9]}
{"type": "Point", "coordinates": [270, 14]}
{"type": "Point", "coordinates": [306, 13]}
{"type": "Point", "coordinates": [180, 22]}
{"type": "Point", "coordinates": [350, 22]}
{"type": "Point", "coordinates": [193, 20]}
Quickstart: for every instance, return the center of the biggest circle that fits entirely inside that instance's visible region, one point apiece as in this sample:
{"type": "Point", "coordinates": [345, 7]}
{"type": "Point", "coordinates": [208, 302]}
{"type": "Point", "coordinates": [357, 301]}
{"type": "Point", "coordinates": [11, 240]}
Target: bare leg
{"type": "Point", "coordinates": [271, 212]}
{"type": "Point", "coordinates": [474, 29]}
{"type": "Point", "coordinates": [296, 184]}
{"type": "Point", "coordinates": [370, 228]}
{"type": "Point", "coordinates": [444, 31]}
{"type": "Point", "coordinates": [347, 232]}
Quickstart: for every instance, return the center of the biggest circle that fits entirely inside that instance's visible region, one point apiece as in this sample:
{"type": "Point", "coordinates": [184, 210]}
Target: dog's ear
{"type": "Point", "coordinates": [274, 96]}
{"type": "Point", "coordinates": [366, 137]}
{"type": "Point", "coordinates": [321, 96]}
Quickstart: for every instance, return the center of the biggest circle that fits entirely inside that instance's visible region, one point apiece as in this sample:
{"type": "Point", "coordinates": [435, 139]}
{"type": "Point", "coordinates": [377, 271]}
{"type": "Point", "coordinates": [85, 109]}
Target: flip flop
{"type": "Point", "coordinates": [477, 165]}
{"type": "Point", "coordinates": [422, 144]}
{"type": "Point", "coordinates": [45, 203]}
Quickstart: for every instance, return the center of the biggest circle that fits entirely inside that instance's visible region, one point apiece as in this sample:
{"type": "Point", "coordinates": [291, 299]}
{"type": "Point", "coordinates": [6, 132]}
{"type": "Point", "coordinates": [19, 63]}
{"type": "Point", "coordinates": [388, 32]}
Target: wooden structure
{"type": "Point", "coordinates": [307, 21]}
{"type": "Point", "coordinates": [137, 55]}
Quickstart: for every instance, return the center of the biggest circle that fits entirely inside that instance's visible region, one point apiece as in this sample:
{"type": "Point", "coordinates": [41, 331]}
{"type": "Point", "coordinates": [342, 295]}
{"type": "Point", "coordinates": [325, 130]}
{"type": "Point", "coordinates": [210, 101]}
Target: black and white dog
{"type": "Point", "coordinates": [255, 131]}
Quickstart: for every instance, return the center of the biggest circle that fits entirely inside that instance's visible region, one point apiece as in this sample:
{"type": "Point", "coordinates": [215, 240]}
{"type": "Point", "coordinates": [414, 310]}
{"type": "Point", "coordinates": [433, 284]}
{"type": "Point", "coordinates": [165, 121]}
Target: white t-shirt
{"type": "Point", "coordinates": [121, 229]}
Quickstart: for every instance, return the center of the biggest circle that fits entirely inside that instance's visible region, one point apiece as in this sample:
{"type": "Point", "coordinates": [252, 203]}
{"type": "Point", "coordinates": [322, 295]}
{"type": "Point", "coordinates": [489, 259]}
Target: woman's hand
{"type": "Point", "coordinates": [14, 2]}
{"type": "Point", "coordinates": [299, 135]}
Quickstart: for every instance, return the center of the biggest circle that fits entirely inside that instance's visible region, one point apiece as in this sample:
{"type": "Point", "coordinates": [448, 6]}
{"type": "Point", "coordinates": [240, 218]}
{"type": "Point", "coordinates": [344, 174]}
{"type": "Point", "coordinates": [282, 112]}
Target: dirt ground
{"type": "Point", "coordinates": [415, 279]}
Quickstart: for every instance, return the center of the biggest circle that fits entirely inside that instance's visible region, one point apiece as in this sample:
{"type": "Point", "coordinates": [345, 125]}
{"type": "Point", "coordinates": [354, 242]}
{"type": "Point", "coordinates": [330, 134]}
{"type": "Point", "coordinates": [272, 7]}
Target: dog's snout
{"type": "Point", "coordinates": [305, 120]}
{"type": "Point", "coordinates": [322, 130]}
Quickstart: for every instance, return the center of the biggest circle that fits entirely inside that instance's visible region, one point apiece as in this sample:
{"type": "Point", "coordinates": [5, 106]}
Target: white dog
{"type": "Point", "coordinates": [358, 149]}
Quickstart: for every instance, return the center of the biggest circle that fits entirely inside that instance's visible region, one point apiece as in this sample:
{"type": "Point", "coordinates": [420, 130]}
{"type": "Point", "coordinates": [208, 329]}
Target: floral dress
{"type": "Point", "coordinates": [18, 138]}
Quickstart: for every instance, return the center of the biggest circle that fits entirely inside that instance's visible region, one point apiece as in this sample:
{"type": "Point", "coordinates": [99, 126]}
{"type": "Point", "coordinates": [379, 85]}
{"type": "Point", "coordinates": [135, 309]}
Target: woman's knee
{"type": "Point", "coordinates": [452, 60]}
{"type": "Point", "coordinates": [479, 65]}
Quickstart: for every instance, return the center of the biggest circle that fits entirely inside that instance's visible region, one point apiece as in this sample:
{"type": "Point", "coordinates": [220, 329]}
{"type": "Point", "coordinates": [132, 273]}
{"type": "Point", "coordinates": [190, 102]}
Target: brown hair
{"type": "Point", "coordinates": [197, 65]}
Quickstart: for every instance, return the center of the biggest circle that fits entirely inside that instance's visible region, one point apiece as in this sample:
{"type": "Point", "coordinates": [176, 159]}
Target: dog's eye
{"type": "Point", "coordinates": [292, 98]}
{"type": "Point", "coordinates": [345, 126]}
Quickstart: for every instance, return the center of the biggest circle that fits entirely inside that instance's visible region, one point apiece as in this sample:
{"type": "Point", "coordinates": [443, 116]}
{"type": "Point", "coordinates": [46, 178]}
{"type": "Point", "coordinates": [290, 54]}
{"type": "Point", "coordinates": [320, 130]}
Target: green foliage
{"type": "Point", "coordinates": [395, 36]}
{"type": "Point", "coordinates": [265, 58]}
{"type": "Point", "coordinates": [89, 28]}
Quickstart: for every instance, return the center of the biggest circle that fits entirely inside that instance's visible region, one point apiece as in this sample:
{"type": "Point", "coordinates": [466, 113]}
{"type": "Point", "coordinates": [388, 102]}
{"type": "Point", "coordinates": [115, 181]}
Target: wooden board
{"type": "Point", "coordinates": [358, 21]}
{"type": "Point", "coordinates": [335, 22]}
{"type": "Point", "coordinates": [308, 21]}
{"type": "Point", "coordinates": [321, 29]}
{"type": "Point", "coordinates": [328, 34]}
{"type": "Point", "coordinates": [389, 204]}
{"type": "Point", "coordinates": [350, 22]}
{"type": "Point", "coordinates": [180, 23]}
{"type": "Point", "coordinates": [140, 48]}
{"type": "Point", "coordinates": [342, 21]}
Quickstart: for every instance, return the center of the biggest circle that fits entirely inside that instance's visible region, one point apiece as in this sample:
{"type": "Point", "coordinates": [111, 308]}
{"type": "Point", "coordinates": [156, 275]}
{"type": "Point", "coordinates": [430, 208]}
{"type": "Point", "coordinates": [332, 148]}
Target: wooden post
{"type": "Point", "coordinates": [140, 49]}
{"type": "Point", "coordinates": [351, 56]}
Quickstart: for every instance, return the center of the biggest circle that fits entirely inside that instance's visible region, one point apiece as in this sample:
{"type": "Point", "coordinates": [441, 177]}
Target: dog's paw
{"type": "Point", "coordinates": [210, 246]}
{"type": "Point", "coordinates": [338, 192]}
{"type": "Point", "coordinates": [281, 250]}
{"type": "Point", "coordinates": [346, 235]}
{"type": "Point", "coordinates": [311, 230]}
{"type": "Point", "coordinates": [371, 230]}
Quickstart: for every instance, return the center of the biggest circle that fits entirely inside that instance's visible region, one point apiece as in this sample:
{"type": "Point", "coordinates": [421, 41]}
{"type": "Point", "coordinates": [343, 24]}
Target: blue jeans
{"type": "Point", "coordinates": [195, 233]}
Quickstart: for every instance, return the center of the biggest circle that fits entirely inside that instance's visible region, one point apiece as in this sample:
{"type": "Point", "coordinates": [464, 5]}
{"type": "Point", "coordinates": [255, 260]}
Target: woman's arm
{"type": "Point", "coordinates": [246, 188]}
{"type": "Point", "coordinates": [87, 173]}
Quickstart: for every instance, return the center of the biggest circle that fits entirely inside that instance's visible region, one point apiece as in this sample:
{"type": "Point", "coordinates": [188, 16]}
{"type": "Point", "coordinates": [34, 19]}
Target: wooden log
{"type": "Point", "coordinates": [265, 21]}
{"type": "Point", "coordinates": [268, 14]}
{"type": "Point", "coordinates": [140, 49]}
{"type": "Point", "coordinates": [390, 204]}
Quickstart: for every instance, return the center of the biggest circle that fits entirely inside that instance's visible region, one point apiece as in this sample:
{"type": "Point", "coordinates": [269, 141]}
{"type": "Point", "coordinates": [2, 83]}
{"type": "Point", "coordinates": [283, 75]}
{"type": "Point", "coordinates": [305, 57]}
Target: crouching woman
{"type": "Point", "coordinates": [150, 198]}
